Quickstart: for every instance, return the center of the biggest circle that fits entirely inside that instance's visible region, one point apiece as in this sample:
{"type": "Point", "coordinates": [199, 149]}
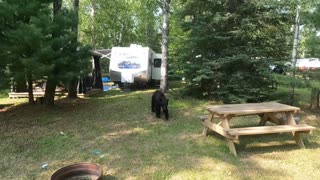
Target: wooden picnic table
{"type": "Point", "coordinates": [267, 111]}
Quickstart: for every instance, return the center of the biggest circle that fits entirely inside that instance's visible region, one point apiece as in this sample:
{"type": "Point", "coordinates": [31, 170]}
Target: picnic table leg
{"type": "Point", "coordinates": [232, 148]}
{"type": "Point", "coordinates": [230, 142]}
{"type": "Point", "coordinates": [206, 129]}
{"type": "Point", "coordinates": [264, 119]}
{"type": "Point", "coordinates": [296, 135]}
{"type": "Point", "coordinates": [298, 140]}
{"type": "Point", "coordinates": [290, 117]}
{"type": "Point", "coordinates": [269, 117]}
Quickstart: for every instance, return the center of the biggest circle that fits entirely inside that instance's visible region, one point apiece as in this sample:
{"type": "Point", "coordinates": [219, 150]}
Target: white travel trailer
{"type": "Point", "coordinates": [134, 64]}
{"type": "Point", "coordinates": [308, 64]}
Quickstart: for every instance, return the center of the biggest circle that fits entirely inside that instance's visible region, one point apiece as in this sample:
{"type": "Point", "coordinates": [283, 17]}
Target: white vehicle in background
{"type": "Point", "coordinates": [308, 64]}
{"type": "Point", "coordinates": [134, 65]}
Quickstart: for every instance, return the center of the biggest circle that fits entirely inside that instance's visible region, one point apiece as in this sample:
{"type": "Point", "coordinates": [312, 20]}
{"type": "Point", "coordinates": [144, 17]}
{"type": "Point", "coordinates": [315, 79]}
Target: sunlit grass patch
{"type": "Point", "coordinates": [117, 130]}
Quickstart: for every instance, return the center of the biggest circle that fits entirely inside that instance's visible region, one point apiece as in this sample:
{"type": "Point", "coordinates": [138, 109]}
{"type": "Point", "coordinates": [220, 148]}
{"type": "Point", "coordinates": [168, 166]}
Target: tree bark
{"type": "Point", "coordinates": [97, 81]}
{"type": "Point", "coordinates": [76, 11]}
{"type": "Point", "coordinates": [314, 103]}
{"type": "Point", "coordinates": [294, 54]}
{"type": "Point", "coordinates": [30, 90]}
{"type": "Point", "coordinates": [165, 44]}
{"type": "Point", "coordinates": [73, 88]}
{"type": "Point", "coordinates": [73, 83]}
{"type": "Point", "coordinates": [57, 4]}
{"type": "Point", "coordinates": [50, 91]}
{"type": "Point", "coordinates": [51, 80]}
{"type": "Point", "coordinates": [93, 27]}
{"type": "Point", "coordinates": [21, 86]}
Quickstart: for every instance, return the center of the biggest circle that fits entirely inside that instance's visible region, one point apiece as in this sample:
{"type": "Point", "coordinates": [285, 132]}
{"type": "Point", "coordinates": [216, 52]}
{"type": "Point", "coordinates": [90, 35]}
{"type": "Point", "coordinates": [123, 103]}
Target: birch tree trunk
{"type": "Point", "coordinates": [165, 43]}
{"type": "Point", "coordinates": [294, 54]}
{"type": "Point", "coordinates": [93, 29]}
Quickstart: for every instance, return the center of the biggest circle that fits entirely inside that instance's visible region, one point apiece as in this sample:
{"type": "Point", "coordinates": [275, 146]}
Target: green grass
{"type": "Point", "coordinates": [133, 144]}
{"type": "Point", "coordinates": [4, 93]}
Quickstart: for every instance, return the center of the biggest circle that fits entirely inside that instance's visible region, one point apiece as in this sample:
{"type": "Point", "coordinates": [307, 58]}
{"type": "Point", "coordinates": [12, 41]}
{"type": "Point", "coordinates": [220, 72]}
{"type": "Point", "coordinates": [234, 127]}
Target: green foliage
{"type": "Point", "coordinates": [37, 46]}
{"type": "Point", "coordinates": [21, 37]}
{"type": "Point", "coordinates": [6, 21]}
{"type": "Point", "coordinates": [229, 45]}
{"type": "Point", "coordinates": [311, 34]}
{"type": "Point", "coordinates": [313, 44]}
{"type": "Point", "coordinates": [104, 24]}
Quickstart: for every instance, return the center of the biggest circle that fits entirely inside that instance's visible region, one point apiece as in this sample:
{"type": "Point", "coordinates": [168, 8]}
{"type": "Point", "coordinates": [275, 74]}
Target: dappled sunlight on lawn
{"type": "Point", "coordinates": [124, 132]}
{"type": "Point", "coordinates": [201, 174]}
{"type": "Point", "coordinates": [115, 96]}
{"type": "Point", "coordinates": [312, 119]}
{"type": "Point", "coordinates": [282, 164]}
{"type": "Point", "coordinates": [7, 104]}
{"type": "Point", "coordinates": [134, 144]}
{"type": "Point", "coordinates": [190, 136]}
{"type": "Point", "coordinates": [119, 94]}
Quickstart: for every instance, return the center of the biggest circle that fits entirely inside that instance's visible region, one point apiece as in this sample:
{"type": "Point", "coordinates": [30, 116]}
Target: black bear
{"type": "Point", "coordinates": [159, 101]}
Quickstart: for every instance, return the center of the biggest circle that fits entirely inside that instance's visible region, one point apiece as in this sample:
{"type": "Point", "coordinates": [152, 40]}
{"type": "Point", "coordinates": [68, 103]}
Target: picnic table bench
{"type": "Point", "coordinates": [267, 112]}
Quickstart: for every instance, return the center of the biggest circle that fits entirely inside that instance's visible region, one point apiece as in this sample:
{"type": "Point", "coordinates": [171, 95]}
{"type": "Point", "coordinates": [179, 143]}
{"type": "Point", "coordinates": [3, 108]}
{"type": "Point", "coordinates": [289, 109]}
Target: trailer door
{"type": "Point", "coordinates": [156, 69]}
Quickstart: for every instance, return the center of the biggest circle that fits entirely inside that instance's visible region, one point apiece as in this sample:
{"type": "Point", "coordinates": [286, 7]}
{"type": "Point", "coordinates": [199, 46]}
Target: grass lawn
{"type": "Point", "coordinates": [133, 144]}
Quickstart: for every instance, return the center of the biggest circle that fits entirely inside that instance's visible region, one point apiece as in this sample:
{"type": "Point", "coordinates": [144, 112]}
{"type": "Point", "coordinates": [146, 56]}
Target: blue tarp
{"type": "Point", "coordinates": [105, 79]}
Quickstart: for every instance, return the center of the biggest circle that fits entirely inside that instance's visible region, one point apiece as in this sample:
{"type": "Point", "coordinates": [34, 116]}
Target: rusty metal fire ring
{"type": "Point", "coordinates": [78, 171]}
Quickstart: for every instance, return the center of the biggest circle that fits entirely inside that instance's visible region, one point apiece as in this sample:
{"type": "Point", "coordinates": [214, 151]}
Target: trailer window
{"type": "Point", "coordinates": [157, 63]}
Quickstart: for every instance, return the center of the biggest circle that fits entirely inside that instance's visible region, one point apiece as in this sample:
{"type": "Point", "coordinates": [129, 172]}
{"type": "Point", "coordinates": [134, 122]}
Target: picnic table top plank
{"type": "Point", "coordinates": [251, 108]}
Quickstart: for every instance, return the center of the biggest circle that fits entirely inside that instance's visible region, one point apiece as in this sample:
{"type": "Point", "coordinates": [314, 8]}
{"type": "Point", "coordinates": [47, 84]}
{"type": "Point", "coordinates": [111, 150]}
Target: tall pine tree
{"type": "Point", "coordinates": [230, 46]}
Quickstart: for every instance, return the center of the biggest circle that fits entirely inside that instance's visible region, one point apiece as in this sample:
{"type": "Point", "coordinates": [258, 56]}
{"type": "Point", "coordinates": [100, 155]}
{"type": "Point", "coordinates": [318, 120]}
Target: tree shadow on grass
{"type": "Point", "coordinates": [259, 144]}
{"type": "Point", "coordinates": [183, 155]}
{"type": "Point", "coordinates": [4, 106]}
{"type": "Point", "coordinates": [312, 145]}
{"type": "Point", "coordinates": [133, 144]}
